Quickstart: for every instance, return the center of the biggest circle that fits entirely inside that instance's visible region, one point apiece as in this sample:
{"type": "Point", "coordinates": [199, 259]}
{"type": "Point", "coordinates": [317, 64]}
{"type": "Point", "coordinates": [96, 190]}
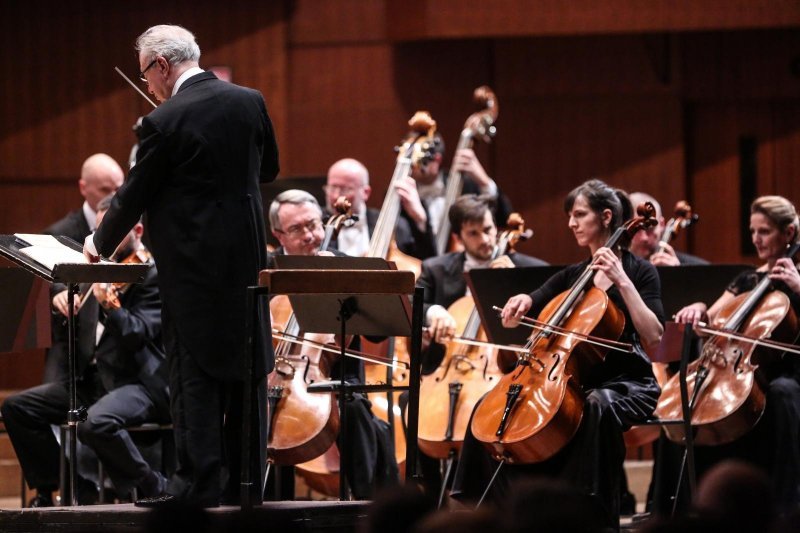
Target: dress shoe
{"type": "Point", "coordinates": [157, 501]}
{"type": "Point", "coordinates": [41, 500]}
{"type": "Point", "coordinates": [153, 484]}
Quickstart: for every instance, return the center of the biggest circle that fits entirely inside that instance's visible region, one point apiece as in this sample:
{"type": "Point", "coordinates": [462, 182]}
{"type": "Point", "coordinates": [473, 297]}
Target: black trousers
{"type": "Point", "coordinates": [207, 418]}
{"type": "Point", "coordinates": [370, 461]}
{"type": "Point", "coordinates": [29, 415]}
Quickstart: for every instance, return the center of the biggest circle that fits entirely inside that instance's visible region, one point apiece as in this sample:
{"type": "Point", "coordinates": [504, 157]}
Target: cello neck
{"type": "Point", "coordinates": [738, 317]}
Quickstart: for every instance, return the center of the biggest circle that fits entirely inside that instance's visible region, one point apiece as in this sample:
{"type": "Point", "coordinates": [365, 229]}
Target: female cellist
{"type": "Point", "coordinates": [773, 443]}
{"type": "Point", "coordinates": [619, 391]}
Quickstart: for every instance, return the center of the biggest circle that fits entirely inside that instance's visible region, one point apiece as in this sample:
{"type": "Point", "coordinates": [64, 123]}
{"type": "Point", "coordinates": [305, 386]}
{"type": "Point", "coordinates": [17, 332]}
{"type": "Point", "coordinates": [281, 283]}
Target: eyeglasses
{"type": "Point", "coordinates": [141, 74]}
{"type": "Point", "coordinates": [339, 189]}
{"type": "Point", "coordinates": [300, 229]}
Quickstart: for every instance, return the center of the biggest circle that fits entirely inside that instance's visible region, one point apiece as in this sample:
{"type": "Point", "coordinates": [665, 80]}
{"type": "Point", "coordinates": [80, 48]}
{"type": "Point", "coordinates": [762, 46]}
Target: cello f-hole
{"type": "Point", "coordinates": [557, 362]}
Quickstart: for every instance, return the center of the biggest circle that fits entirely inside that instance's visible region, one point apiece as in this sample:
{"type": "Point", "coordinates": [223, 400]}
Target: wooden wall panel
{"type": "Point", "coordinates": [437, 19]}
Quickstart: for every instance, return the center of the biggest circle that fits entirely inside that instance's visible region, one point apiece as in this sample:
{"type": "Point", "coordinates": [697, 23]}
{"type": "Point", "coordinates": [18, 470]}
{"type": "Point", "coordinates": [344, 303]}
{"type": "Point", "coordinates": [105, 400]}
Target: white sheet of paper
{"type": "Point", "coordinates": [48, 251]}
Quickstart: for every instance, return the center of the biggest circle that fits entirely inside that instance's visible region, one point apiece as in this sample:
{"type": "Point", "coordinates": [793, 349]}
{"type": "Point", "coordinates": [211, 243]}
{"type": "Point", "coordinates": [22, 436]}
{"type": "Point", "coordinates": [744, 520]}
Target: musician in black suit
{"type": "Point", "coordinates": [413, 234]}
{"type": "Point", "coordinates": [295, 218]}
{"type": "Point", "coordinates": [442, 277]}
{"type": "Point", "coordinates": [203, 152]}
{"type": "Point", "coordinates": [431, 179]}
{"type": "Point", "coordinates": [122, 378]}
{"type": "Point", "coordinates": [647, 243]}
{"type": "Point", "coordinates": [100, 177]}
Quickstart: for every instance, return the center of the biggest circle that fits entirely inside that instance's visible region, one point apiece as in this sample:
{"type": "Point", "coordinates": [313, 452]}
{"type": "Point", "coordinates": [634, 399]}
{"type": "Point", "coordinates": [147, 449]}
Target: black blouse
{"type": "Point", "coordinates": [617, 365]}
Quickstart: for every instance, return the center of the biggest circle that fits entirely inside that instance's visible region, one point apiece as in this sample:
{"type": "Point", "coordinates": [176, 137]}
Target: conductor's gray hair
{"type": "Point", "coordinates": [174, 43]}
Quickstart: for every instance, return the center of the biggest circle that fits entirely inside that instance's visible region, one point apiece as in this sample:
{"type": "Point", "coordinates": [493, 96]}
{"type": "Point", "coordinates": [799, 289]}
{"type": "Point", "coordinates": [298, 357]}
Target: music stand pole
{"type": "Point", "coordinates": [73, 416]}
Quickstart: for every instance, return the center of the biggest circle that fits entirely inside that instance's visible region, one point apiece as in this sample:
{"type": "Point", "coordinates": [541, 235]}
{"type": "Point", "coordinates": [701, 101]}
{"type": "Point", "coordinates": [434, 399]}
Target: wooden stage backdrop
{"type": "Point", "coordinates": [694, 99]}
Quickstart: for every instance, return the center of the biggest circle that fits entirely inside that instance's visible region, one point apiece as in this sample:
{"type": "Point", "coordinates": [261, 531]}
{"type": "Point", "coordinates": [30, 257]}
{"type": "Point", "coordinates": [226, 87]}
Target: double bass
{"type": "Point", "coordinates": [448, 395]}
{"type": "Point", "coordinates": [536, 409]}
{"type": "Point", "coordinates": [416, 149]}
{"type": "Point", "coordinates": [726, 383]}
{"type": "Point", "coordinates": [479, 124]}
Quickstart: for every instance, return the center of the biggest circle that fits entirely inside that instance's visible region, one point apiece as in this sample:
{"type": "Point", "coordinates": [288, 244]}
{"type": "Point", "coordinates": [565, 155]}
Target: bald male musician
{"type": "Point", "coordinates": [295, 218]}
{"type": "Point", "coordinates": [100, 177]}
{"type": "Point", "coordinates": [413, 235]}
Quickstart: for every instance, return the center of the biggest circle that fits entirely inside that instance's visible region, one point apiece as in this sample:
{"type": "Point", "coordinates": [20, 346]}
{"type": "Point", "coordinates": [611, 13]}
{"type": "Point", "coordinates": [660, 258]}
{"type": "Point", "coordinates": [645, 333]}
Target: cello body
{"type": "Point", "coordinates": [449, 394]}
{"type": "Point", "coordinates": [303, 425]}
{"type": "Point", "coordinates": [535, 410]}
{"type": "Point", "coordinates": [731, 398]}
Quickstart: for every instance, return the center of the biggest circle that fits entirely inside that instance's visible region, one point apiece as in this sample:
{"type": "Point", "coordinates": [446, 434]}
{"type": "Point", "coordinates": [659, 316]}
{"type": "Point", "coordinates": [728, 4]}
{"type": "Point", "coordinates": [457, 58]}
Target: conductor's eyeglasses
{"type": "Point", "coordinates": [141, 74]}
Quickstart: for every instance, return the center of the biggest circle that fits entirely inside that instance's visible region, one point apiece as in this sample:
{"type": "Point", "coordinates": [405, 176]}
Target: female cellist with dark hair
{"type": "Point", "coordinates": [618, 391]}
{"type": "Point", "coordinates": [766, 433]}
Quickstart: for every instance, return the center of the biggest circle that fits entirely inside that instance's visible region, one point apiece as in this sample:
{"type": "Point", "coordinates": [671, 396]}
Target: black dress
{"type": "Point", "coordinates": [620, 392]}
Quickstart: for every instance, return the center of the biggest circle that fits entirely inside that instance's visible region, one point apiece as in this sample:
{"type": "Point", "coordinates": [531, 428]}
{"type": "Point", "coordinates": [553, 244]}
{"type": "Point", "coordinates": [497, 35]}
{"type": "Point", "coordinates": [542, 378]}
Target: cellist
{"type": "Point", "coordinates": [619, 391]}
{"type": "Point", "coordinates": [773, 443]}
{"type": "Point", "coordinates": [473, 225]}
{"type": "Point", "coordinates": [295, 219]}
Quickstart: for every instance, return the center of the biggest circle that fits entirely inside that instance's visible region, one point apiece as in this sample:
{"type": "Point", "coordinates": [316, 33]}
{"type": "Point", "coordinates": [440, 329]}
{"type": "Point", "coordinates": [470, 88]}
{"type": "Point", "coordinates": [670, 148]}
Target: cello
{"type": "Point", "coordinates": [536, 409]}
{"type": "Point", "coordinates": [467, 371]}
{"type": "Point", "coordinates": [726, 383]}
{"type": "Point", "coordinates": [303, 425]}
{"type": "Point", "coordinates": [682, 218]}
{"type": "Point", "coordinates": [479, 124]}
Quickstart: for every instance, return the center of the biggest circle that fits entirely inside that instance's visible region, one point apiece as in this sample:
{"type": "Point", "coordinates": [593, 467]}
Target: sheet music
{"type": "Point", "coordinates": [48, 251]}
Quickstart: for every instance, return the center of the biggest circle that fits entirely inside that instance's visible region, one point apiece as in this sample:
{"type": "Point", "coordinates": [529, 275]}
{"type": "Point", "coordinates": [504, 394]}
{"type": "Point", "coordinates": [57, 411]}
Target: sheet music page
{"type": "Point", "coordinates": [46, 250]}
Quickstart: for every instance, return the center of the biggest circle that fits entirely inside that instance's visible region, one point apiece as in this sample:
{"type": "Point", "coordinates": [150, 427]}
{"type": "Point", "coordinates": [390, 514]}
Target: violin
{"type": "Point", "coordinates": [114, 290]}
{"type": "Point", "coordinates": [467, 371]}
{"type": "Point", "coordinates": [303, 425]}
{"type": "Point", "coordinates": [726, 383]}
{"type": "Point", "coordinates": [535, 410]}
{"type": "Point", "coordinates": [479, 124]}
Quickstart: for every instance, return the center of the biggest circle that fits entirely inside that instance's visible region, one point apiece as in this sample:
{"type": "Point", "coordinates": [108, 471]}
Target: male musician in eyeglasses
{"type": "Point", "coordinates": [122, 379]}
{"type": "Point", "coordinates": [101, 175]}
{"type": "Point", "coordinates": [647, 243]}
{"type": "Point", "coordinates": [295, 218]}
{"type": "Point", "coordinates": [204, 152]}
{"type": "Point", "coordinates": [413, 234]}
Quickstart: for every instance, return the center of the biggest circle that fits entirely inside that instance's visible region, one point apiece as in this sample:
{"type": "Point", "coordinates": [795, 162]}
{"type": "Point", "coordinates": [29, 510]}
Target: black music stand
{"type": "Point", "coordinates": [494, 286]}
{"type": "Point", "coordinates": [344, 295]}
{"type": "Point", "coordinates": [681, 286]}
{"type": "Point", "coordinates": [25, 313]}
{"type": "Point", "coordinates": [71, 274]}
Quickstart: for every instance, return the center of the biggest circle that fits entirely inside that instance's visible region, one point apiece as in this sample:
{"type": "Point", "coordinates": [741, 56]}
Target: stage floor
{"type": "Point", "coordinates": [288, 516]}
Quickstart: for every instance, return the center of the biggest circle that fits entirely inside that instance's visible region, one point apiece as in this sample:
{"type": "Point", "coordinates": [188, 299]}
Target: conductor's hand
{"type": "Point", "coordinates": [441, 324]}
{"type": "Point", "coordinates": [89, 250]}
{"type": "Point", "coordinates": [60, 303]}
{"type": "Point", "coordinates": [516, 307]}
